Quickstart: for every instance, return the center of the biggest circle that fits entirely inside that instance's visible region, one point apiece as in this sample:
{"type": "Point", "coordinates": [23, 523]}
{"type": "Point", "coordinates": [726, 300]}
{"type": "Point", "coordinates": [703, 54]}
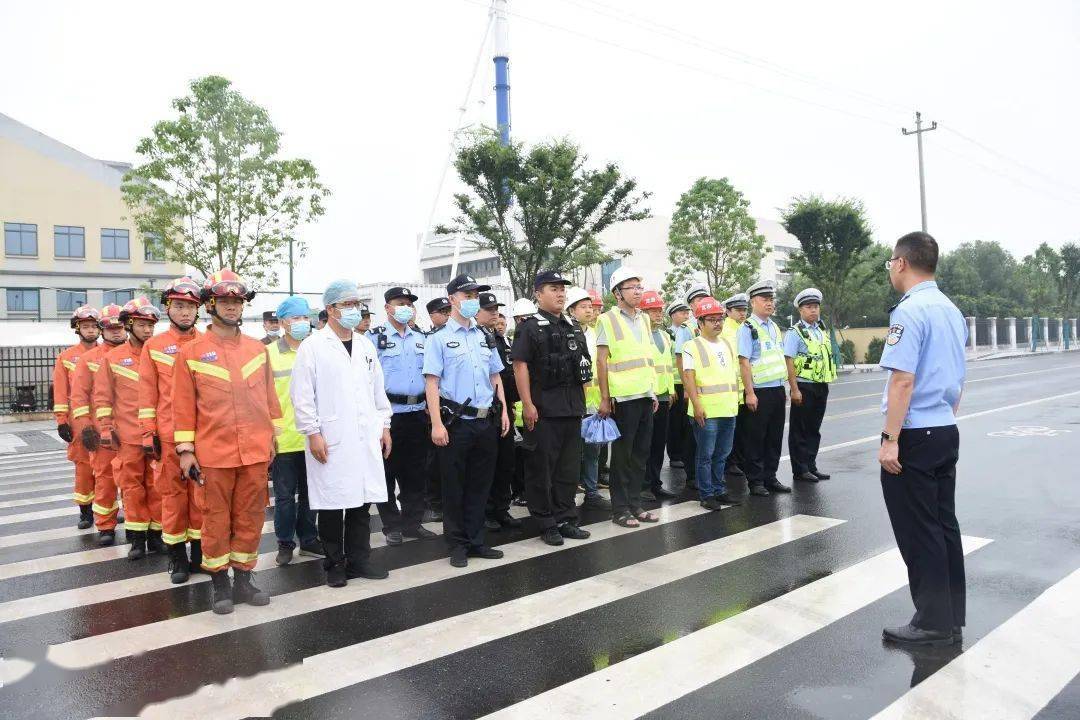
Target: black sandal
{"type": "Point", "coordinates": [644, 516]}
{"type": "Point", "coordinates": [626, 520]}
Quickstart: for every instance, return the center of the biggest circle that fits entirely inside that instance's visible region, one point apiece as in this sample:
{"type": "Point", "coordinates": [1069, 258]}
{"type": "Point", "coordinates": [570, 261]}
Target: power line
{"type": "Point", "coordinates": [1046, 178]}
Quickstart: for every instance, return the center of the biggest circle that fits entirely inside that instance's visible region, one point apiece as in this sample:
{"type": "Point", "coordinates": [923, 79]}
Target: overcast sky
{"type": "Point", "coordinates": [782, 97]}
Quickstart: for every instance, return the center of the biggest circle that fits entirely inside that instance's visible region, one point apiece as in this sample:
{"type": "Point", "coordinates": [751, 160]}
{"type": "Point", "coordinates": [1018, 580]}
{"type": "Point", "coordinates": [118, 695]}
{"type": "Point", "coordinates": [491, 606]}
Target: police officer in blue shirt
{"type": "Point", "coordinates": [438, 310]}
{"type": "Point", "coordinates": [924, 353]}
{"type": "Point", "coordinates": [761, 362]}
{"type": "Point", "coordinates": [401, 352]}
{"type": "Point", "coordinates": [811, 367]}
{"type": "Point", "coordinates": [684, 333]}
{"type": "Point", "coordinates": [467, 408]}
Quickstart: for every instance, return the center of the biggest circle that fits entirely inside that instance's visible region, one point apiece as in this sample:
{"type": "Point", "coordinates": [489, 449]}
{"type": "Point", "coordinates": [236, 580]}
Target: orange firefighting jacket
{"type": "Point", "coordinates": [116, 393]}
{"type": "Point", "coordinates": [63, 374]}
{"type": "Point", "coordinates": [156, 382]}
{"type": "Point", "coordinates": [224, 400]}
{"type": "Point", "coordinates": [82, 386]}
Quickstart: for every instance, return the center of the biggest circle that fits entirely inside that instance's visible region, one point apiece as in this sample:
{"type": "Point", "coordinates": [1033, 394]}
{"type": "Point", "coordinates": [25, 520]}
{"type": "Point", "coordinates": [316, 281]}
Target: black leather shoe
{"type": "Point", "coordinates": [419, 532]}
{"type": "Point", "coordinates": [507, 520]}
{"type": "Point", "coordinates": [492, 524]}
{"type": "Point", "coordinates": [433, 516]}
{"type": "Point", "coordinates": [394, 538]}
{"type": "Point", "coordinates": [734, 471]}
{"type": "Point", "coordinates": [712, 503]}
{"type": "Point", "coordinates": [807, 477]}
{"type": "Point", "coordinates": [459, 557]}
{"type": "Point", "coordinates": [759, 490]}
{"type": "Point", "coordinates": [728, 499]}
{"type": "Point", "coordinates": [911, 635]}
{"type": "Point", "coordinates": [777, 487]}
{"type": "Point", "coordinates": [662, 494]}
{"type": "Point", "coordinates": [365, 569]}
{"type": "Point", "coordinates": [488, 553]}
{"type": "Point", "coordinates": [572, 531]}
{"type": "Point", "coordinates": [821, 475]}
{"type": "Point", "coordinates": [336, 575]}
{"type": "Point", "coordinates": [551, 536]}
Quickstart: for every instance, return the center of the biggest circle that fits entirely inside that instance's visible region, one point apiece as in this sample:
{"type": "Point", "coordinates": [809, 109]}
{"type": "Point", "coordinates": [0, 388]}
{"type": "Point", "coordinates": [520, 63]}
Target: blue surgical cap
{"type": "Point", "coordinates": [340, 291]}
{"type": "Point", "coordinates": [293, 306]}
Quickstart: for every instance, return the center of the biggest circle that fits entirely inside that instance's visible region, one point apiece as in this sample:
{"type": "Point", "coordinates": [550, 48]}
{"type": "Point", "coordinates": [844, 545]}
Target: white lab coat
{"type": "Point", "coordinates": [344, 399]}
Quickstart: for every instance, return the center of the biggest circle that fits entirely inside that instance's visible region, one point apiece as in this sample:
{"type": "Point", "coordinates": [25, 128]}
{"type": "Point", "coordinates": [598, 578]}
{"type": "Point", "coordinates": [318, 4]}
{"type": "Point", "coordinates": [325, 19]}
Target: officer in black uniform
{"type": "Point", "coordinates": [438, 310]}
{"type": "Point", "coordinates": [551, 363]}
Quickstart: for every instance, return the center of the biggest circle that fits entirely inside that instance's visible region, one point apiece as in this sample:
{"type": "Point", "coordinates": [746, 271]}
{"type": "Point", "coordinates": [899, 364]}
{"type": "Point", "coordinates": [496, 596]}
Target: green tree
{"type": "Point", "coordinates": [834, 236]}
{"type": "Point", "coordinates": [1040, 273]}
{"type": "Point", "coordinates": [539, 208]}
{"type": "Point", "coordinates": [713, 236]}
{"type": "Point", "coordinates": [212, 190]}
{"type": "Point", "coordinates": [981, 279]}
{"type": "Point", "coordinates": [1069, 284]}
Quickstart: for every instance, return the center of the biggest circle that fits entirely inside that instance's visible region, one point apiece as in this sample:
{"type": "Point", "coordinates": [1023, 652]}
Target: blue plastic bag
{"type": "Point", "coordinates": [599, 431]}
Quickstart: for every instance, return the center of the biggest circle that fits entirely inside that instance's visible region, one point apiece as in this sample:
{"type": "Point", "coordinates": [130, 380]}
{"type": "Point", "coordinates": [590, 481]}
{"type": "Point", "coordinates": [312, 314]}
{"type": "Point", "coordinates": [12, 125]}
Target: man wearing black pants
{"type": "Point", "coordinates": [920, 444]}
{"type": "Point", "coordinates": [346, 540]}
{"type": "Point", "coordinates": [497, 513]}
{"type": "Point", "coordinates": [551, 366]}
{"type": "Point", "coordinates": [811, 368]}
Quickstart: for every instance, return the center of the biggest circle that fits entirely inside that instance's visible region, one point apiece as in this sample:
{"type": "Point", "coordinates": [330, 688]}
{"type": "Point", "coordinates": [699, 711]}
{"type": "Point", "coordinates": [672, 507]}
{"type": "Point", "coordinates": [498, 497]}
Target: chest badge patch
{"type": "Point", "coordinates": [419, 346]}
{"type": "Point", "coordinates": [453, 344]}
{"type": "Point", "coordinates": [209, 356]}
{"type": "Point", "coordinates": [895, 333]}
{"type": "Point", "coordinates": [172, 349]}
{"type": "Point", "coordinates": [126, 362]}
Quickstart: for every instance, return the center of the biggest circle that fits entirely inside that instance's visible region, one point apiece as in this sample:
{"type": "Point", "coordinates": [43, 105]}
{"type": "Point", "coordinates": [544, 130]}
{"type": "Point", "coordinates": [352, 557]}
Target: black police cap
{"type": "Point", "coordinates": [439, 303]}
{"type": "Point", "coordinates": [269, 316]}
{"type": "Point", "coordinates": [398, 292]}
{"type": "Point", "coordinates": [488, 299]}
{"type": "Point", "coordinates": [464, 283]}
{"type": "Point", "coordinates": [550, 277]}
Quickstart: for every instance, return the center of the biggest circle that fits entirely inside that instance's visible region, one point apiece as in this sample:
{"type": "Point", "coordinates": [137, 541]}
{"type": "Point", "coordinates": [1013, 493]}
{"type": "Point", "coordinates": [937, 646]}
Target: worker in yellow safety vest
{"type": "Point", "coordinates": [684, 333]}
{"type": "Point", "coordinates": [664, 366]}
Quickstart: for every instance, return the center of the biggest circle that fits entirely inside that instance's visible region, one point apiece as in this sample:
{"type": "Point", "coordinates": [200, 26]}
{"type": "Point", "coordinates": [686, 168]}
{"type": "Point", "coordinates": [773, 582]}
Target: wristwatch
{"type": "Point", "coordinates": [886, 437]}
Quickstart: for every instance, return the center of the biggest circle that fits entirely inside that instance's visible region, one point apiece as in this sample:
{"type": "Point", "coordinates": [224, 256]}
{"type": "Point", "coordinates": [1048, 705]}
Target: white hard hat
{"type": "Point", "coordinates": [621, 275]}
{"type": "Point", "coordinates": [522, 306]}
{"type": "Point", "coordinates": [574, 294]}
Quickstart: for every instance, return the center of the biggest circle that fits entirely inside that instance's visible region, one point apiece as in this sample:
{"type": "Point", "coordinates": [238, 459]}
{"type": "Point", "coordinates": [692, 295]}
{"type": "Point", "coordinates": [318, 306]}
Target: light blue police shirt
{"type": "Point", "coordinates": [403, 364]}
{"type": "Point", "coordinates": [927, 337]}
{"type": "Point", "coordinates": [683, 334]}
{"type": "Point", "coordinates": [750, 348]}
{"type": "Point", "coordinates": [459, 356]}
{"type": "Point", "coordinates": [794, 344]}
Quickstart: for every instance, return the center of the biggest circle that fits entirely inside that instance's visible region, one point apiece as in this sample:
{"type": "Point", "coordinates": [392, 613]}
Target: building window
{"type": "Point", "coordinates": [488, 267]}
{"type": "Point", "coordinates": [70, 241]}
{"type": "Point", "coordinates": [23, 300]}
{"type": "Point", "coordinates": [68, 300]}
{"type": "Point", "coordinates": [437, 275]}
{"type": "Point", "coordinates": [20, 239]}
{"type": "Point", "coordinates": [153, 250]}
{"type": "Point", "coordinates": [115, 244]}
{"type": "Point", "coordinates": [117, 297]}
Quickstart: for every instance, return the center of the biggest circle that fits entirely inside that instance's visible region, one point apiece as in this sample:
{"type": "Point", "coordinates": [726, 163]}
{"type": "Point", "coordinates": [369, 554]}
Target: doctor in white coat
{"type": "Point", "coordinates": [341, 406]}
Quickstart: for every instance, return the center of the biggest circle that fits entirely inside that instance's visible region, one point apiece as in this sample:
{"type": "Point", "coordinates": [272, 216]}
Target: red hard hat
{"type": "Point", "coordinates": [110, 315]}
{"type": "Point", "coordinates": [140, 308]}
{"type": "Point", "coordinates": [84, 312]}
{"type": "Point", "coordinates": [182, 289]}
{"type": "Point", "coordinates": [651, 299]}
{"type": "Point", "coordinates": [597, 301]}
{"type": "Point", "coordinates": [708, 305]}
{"type": "Point", "coordinates": [226, 283]}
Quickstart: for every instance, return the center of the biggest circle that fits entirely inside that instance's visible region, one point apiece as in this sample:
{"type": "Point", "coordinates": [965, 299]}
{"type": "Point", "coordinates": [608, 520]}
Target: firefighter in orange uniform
{"type": "Point", "coordinates": [224, 405]}
{"type": "Point", "coordinates": [116, 397]}
{"type": "Point", "coordinates": [181, 519]}
{"type": "Point", "coordinates": [105, 506]}
{"type": "Point", "coordinates": [84, 321]}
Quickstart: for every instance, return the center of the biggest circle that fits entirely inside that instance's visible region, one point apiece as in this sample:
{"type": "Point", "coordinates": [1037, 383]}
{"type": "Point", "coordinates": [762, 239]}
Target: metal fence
{"type": "Point", "coordinates": [1023, 332]}
{"type": "Point", "coordinates": [982, 331]}
{"type": "Point", "coordinates": [26, 378]}
{"type": "Point", "coordinates": [1055, 331]}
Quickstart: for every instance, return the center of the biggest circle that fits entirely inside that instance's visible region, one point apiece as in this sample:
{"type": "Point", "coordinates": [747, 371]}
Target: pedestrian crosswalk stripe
{"type": "Point", "coordinates": [72, 510]}
{"type": "Point", "coordinates": [35, 488]}
{"type": "Point", "coordinates": [23, 502]}
{"type": "Point", "coordinates": [11, 485]}
{"type": "Point", "coordinates": [37, 536]}
{"type": "Point", "coordinates": [263, 693]}
{"type": "Point", "coordinates": [12, 478]}
{"type": "Point", "coordinates": [90, 651]}
{"type": "Point", "coordinates": [1036, 650]}
{"type": "Point", "coordinates": [633, 687]}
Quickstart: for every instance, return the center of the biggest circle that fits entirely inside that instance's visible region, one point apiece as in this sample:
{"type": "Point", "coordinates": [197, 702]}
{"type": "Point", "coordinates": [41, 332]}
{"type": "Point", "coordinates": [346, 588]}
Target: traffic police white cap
{"type": "Point", "coordinates": [809, 295]}
{"type": "Point", "coordinates": [696, 290]}
{"type": "Point", "coordinates": [762, 287]}
{"type": "Point", "coordinates": [675, 306]}
{"type": "Point", "coordinates": [738, 300]}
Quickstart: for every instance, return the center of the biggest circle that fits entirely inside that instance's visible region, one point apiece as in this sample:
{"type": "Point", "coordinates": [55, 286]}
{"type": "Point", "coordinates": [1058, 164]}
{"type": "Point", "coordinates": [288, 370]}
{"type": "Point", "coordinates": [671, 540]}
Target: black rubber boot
{"type": "Point", "coordinates": [86, 516]}
{"type": "Point", "coordinates": [221, 592]}
{"type": "Point", "coordinates": [178, 564]}
{"type": "Point", "coordinates": [106, 538]}
{"type": "Point", "coordinates": [244, 592]}
{"type": "Point", "coordinates": [195, 566]}
{"type": "Point", "coordinates": [137, 538]}
{"type": "Point", "coordinates": [154, 542]}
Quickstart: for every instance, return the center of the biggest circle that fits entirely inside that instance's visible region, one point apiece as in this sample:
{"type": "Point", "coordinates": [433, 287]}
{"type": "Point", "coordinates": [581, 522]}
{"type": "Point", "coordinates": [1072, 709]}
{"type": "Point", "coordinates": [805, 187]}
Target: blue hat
{"type": "Point", "coordinates": [293, 306]}
{"type": "Point", "coordinates": [340, 291]}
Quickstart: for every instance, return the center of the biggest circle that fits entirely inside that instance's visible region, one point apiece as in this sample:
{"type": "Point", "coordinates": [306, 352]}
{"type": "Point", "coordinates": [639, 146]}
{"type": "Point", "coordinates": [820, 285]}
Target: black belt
{"type": "Point", "coordinates": [470, 411]}
{"type": "Point", "coordinates": [400, 399]}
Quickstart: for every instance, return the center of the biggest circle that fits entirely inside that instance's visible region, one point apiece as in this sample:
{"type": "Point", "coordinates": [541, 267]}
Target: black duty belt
{"type": "Point", "coordinates": [470, 411]}
{"type": "Point", "coordinates": [399, 399]}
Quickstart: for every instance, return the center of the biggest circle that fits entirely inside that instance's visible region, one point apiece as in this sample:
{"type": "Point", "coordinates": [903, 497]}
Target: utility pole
{"type": "Point", "coordinates": [918, 133]}
{"type": "Point", "coordinates": [290, 267]}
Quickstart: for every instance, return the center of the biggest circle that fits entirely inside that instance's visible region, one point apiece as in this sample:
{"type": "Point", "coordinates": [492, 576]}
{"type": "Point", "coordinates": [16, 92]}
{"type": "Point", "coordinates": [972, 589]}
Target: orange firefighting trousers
{"type": "Point", "coordinates": [105, 504]}
{"type": "Point", "coordinates": [232, 502]}
{"type": "Point", "coordinates": [142, 504]}
{"type": "Point", "coordinates": [181, 517]}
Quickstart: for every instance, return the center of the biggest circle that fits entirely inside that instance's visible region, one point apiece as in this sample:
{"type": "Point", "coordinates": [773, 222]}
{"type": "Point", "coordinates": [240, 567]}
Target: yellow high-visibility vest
{"type": "Point", "coordinates": [664, 366]}
{"type": "Point", "coordinates": [817, 365]}
{"type": "Point", "coordinates": [770, 364]}
{"type": "Point", "coordinates": [716, 378]}
{"type": "Point", "coordinates": [731, 333]}
{"type": "Point", "coordinates": [630, 361]}
{"type": "Point", "coordinates": [281, 363]}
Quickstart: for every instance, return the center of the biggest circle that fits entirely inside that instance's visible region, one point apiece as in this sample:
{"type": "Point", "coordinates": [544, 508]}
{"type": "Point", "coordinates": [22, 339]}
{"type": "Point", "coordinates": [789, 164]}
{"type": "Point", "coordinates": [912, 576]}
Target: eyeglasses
{"type": "Point", "coordinates": [349, 305]}
{"type": "Point", "coordinates": [632, 288]}
{"type": "Point", "coordinates": [890, 261]}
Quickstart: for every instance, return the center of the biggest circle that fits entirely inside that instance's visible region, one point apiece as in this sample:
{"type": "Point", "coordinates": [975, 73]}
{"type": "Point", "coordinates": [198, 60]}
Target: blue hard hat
{"type": "Point", "coordinates": [293, 306]}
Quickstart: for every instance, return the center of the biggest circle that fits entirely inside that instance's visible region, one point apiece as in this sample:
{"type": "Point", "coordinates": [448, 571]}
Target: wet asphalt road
{"type": "Point", "coordinates": [83, 634]}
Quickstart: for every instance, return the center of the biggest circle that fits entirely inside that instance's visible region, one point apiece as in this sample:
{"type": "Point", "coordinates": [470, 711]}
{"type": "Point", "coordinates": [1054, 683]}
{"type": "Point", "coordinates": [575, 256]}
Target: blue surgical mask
{"type": "Point", "coordinates": [403, 314]}
{"type": "Point", "coordinates": [350, 318]}
{"type": "Point", "coordinates": [300, 329]}
{"type": "Point", "coordinates": [470, 307]}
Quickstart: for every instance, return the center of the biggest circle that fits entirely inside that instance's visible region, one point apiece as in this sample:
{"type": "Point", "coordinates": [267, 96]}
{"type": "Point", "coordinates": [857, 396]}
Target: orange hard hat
{"type": "Point", "coordinates": [651, 299]}
{"type": "Point", "coordinates": [597, 301]}
{"type": "Point", "coordinates": [84, 312]}
{"type": "Point", "coordinates": [708, 305]}
{"type": "Point", "coordinates": [110, 316]}
{"type": "Point", "coordinates": [182, 289]}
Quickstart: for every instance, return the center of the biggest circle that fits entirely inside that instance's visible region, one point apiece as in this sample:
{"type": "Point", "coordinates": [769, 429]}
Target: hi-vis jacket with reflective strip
{"type": "Point", "coordinates": [156, 382]}
{"type": "Point", "coordinates": [82, 387]}
{"type": "Point", "coordinates": [592, 388]}
{"type": "Point", "coordinates": [62, 375]}
{"type": "Point", "coordinates": [116, 393]}
{"type": "Point", "coordinates": [817, 365]}
{"type": "Point", "coordinates": [770, 363]}
{"type": "Point", "coordinates": [630, 361]}
{"type": "Point", "coordinates": [730, 332]}
{"type": "Point", "coordinates": [664, 363]}
{"type": "Point", "coordinates": [224, 400]}
{"type": "Point", "coordinates": [715, 378]}
{"type": "Point", "coordinates": [282, 359]}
